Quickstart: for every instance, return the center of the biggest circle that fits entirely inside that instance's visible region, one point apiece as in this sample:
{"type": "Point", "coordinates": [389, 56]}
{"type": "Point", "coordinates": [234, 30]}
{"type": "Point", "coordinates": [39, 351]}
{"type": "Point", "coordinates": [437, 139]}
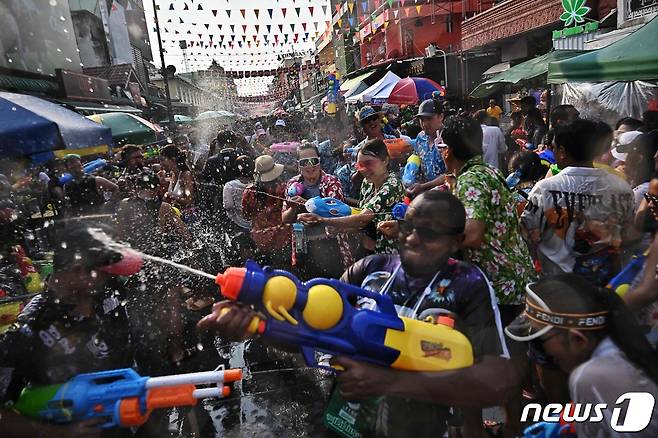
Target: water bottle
{"type": "Point", "coordinates": [514, 179]}
{"type": "Point", "coordinates": [300, 238]}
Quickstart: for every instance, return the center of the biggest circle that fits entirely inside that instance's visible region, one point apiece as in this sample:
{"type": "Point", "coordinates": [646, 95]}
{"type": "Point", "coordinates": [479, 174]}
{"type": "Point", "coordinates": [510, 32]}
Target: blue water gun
{"type": "Point", "coordinates": [121, 397]}
{"type": "Point", "coordinates": [318, 315]}
{"type": "Point", "coordinates": [400, 209]}
{"type": "Point", "coordinates": [329, 207]}
{"type": "Point", "coordinates": [621, 283]}
{"type": "Point", "coordinates": [88, 168]}
{"type": "Point", "coordinates": [411, 169]}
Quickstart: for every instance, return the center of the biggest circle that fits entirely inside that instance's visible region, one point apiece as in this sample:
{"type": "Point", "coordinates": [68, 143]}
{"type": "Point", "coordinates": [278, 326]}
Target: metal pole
{"type": "Point", "coordinates": [445, 66]}
{"type": "Point", "coordinates": [163, 71]}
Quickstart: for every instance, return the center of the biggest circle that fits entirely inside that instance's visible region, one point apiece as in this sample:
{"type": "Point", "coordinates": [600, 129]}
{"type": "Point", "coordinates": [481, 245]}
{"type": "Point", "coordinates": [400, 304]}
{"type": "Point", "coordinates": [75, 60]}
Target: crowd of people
{"type": "Point", "coordinates": [515, 234]}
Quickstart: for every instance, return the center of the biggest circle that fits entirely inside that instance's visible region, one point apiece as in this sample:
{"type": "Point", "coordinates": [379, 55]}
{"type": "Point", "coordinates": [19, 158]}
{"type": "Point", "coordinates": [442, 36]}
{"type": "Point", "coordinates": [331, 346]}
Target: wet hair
{"type": "Point", "coordinates": [305, 146]}
{"type": "Point", "coordinates": [560, 113]}
{"type": "Point", "coordinates": [129, 149]}
{"type": "Point", "coordinates": [78, 243]}
{"type": "Point", "coordinates": [530, 165]}
{"type": "Point", "coordinates": [244, 167]}
{"type": "Point", "coordinates": [578, 139]}
{"type": "Point", "coordinates": [481, 116]}
{"type": "Point", "coordinates": [375, 148]}
{"type": "Point", "coordinates": [516, 115]}
{"type": "Point", "coordinates": [451, 208]}
{"type": "Point", "coordinates": [463, 135]}
{"type": "Point", "coordinates": [572, 294]}
{"type": "Point", "coordinates": [602, 138]}
{"type": "Point", "coordinates": [528, 100]}
{"type": "Point", "coordinates": [632, 123]}
{"type": "Point", "coordinates": [173, 153]}
{"type": "Point", "coordinates": [650, 120]}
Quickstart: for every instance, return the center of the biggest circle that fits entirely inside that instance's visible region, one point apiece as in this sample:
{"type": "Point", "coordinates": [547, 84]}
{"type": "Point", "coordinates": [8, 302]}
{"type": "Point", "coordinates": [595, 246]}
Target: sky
{"type": "Point", "coordinates": [210, 18]}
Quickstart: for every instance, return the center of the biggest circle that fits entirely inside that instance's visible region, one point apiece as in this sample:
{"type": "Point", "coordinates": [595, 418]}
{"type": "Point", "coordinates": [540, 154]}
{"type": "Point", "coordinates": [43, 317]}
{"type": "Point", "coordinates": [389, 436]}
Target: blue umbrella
{"type": "Point", "coordinates": [40, 130]}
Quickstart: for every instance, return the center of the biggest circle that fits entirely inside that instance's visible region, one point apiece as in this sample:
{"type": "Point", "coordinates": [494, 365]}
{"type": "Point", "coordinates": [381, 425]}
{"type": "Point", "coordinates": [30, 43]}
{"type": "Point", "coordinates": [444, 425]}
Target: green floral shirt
{"type": "Point", "coordinates": [381, 203]}
{"type": "Point", "coordinates": [503, 256]}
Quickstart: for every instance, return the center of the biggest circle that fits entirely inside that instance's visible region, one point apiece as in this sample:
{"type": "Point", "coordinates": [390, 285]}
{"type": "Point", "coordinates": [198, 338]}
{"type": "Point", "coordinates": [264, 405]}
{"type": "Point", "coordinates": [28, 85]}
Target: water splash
{"type": "Point", "coordinates": [177, 266]}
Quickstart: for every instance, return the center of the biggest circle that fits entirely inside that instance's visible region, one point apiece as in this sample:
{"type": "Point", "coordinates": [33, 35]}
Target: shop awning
{"type": "Point", "coordinates": [351, 83]}
{"type": "Point", "coordinates": [522, 72]}
{"type": "Point", "coordinates": [498, 68]}
{"type": "Point", "coordinates": [89, 108]}
{"type": "Point", "coordinates": [633, 58]}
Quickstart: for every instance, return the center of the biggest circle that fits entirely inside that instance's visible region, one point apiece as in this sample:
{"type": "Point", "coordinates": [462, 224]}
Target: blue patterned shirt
{"type": "Point", "coordinates": [431, 163]}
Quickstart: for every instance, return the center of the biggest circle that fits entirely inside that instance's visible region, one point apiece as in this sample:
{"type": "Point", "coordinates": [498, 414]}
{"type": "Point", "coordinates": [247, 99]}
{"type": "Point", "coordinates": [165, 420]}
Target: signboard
{"type": "Point", "coordinates": [640, 8]}
{"type": "Point", "coordinates": [77, 86]}
{"type": "Point", "coordinates": [574, 19]}
{"type": "Point", "coordinates": [37, 37]}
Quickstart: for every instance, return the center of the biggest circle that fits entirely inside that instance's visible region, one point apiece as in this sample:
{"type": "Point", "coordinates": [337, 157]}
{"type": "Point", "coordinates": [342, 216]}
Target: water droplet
{"type": "Point", "coordinates": [56, 301]}
{"type": "Point", "coordinates": [199, 346]}
{"type": "Point", "coordinates": [64, 245]}
{"type": "Point", "coordinates": [93, 274]}
{"type": "Point", "coordinates": [13, 108]}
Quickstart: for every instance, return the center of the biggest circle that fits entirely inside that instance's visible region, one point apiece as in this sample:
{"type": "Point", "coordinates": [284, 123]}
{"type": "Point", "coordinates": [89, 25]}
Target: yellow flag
{"type": "Point", "coordinates": [418, 9]}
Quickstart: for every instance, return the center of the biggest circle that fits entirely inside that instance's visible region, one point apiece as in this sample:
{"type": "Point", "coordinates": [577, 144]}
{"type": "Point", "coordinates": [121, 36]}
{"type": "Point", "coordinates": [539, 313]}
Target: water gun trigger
{"type": "Point", "coordinates": [280, 313]}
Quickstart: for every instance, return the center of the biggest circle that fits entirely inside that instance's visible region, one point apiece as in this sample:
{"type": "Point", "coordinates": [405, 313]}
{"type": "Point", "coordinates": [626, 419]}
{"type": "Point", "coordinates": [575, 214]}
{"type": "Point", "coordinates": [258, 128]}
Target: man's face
{"type": "Point", "coordinates": [135, 160]}
{"type": "Point", "coordinates": [372, 127]}
{"type": "Point", "coordinates": [425, 243]}
{"type": "Point", "coordinates": [75, 167]}
{"type": "Point", "coordinates": [309, 171]}
{"type": "Point", "coordinates": [431, 124]}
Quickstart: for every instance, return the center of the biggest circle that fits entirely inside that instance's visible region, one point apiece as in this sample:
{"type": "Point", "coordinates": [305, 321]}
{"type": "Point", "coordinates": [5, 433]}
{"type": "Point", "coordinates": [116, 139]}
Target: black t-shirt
{"type": "Point", "coordinates": [460, 289]}
{"type": "Point", "coordinates": [51, 343]}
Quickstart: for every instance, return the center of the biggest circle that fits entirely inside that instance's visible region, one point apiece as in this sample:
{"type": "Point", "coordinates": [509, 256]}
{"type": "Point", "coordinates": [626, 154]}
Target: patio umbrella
{"type": "Point", "coordinates": [410, 91]}
{"type": "Point", "coordinates": [221, 114]}
{"type": "Point", "coordinates": [180, 119]}
{"type": "Point", "coordinates": [128, 128]}
{"type": "Point", "coordinates": [40, 130]}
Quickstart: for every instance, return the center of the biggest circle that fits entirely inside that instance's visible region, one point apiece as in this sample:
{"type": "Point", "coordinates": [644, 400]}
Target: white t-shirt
{"type": "Point", "coordinates": [605, 377]}
{"type": "Point", "coordinates": [493, 144]}
{"type": "Point", "coordinates": [579, 212]}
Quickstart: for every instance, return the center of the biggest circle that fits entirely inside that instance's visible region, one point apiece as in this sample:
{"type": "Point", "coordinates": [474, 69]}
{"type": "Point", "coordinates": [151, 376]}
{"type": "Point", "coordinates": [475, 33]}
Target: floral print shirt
{"type": "Point", "coordinates": [381, 203]}
{"type": "Point", "coordinates": [503, 256]}
{"type": "Point", "coordinates": [431, 163]}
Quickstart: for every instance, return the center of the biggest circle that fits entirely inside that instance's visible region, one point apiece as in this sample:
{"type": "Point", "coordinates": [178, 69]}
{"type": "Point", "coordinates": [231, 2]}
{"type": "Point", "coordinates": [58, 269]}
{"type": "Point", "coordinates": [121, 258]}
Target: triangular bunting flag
{"type": "Point", "coordinates": [350, 6]}
{"type": "Point", "coordinates": [283, 11]}
{"type": "Point", "coordinates": [214, 12]}
{"type": "Point", "coordinates": [199, 8]}
{"type": "Point", "coordinates": [310, 10]}
{"type": "Point", "coordinates": [390, 3]}
{"type": "Point", "coordinates": [324, 10]}
{"type": "Point", "coordinates": [207, 25]}
{"type": "Point", "coordinates": [298, 10]}
{"type": "Point", "coordinates": [385, 25]}
{"type": "Point", "coordinates": [171, 7]}
{"type": "Point", "coordinates": [281, 28]}
{"type": "Point", "coordinates": [228, 13]}
{"type": "Point", "coordinates": [244, 28]}
{"type": "Point", "coordinates": [407, 11]}
{"type": "Point", "coordinates": [396, 12]}
{"type": "Point", "coordinates": [339, 22]}
{"type": "Point", "coordinates": [418, 9]}
{"type": "Point", "coordinates": [232, 28]}
{"type": "Point", "coordinates": [351, 21]}
{"type": "Point", "coordinates": [186, 8]}
{"type": "Point", "coordinates": [292, 26]}
{"type": "Point", "coordinates": [257, 27]}
{"type": "Point", "coordinates": [270, 11]}
{"type": "Point", "coordinates": [364, 7]}
{"type": "Point", "coordinates": [256, 11]}
{"type": "Point", "coordinates": [243, 12]}
{"type": "Point", "coordinates": [269, 27]}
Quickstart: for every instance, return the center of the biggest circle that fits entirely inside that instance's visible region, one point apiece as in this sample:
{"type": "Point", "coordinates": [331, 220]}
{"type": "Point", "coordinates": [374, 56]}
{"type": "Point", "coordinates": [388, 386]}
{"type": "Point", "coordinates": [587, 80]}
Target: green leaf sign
{"type": "Point", "coordinates": [574, 12]}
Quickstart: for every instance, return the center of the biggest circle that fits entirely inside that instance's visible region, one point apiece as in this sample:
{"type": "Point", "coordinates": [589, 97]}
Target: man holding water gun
{"type": "Point", "coordinates": [425, 283]}
{"type": "Point", "coordinates": [78, 325]}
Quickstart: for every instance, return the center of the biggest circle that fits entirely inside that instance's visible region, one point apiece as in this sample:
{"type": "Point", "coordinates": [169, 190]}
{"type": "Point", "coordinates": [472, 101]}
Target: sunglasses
{"type": "Point", "coordinates": [308, 162]}
{"type": "Point", "coordinates": [425, 233]}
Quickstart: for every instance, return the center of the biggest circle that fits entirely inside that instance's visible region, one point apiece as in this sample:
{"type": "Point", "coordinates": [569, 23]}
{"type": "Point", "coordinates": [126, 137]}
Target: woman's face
{"type": "Point", "coordinates": [372, 168]}
{"type": "Point", "coordinates": [309, 165]}
{"type": "Point", "coordinates": [567, 348]}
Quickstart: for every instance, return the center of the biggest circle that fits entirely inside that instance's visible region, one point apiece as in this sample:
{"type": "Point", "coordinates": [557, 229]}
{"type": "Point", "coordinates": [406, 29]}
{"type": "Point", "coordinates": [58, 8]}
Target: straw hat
{"type": "Point", "coordinates": [265, 170]}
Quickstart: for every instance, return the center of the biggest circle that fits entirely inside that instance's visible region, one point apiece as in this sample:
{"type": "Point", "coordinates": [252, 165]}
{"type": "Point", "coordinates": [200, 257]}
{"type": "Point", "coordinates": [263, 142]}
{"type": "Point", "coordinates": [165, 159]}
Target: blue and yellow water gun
{"type": "Point", "coordinates": [621, 283]}
{"type": "Point", "coordinates": [411, 169]}
{"type": "Point", "coordinates": [318, 316]}
{"type": "Point", "coordinates": [121, 397]}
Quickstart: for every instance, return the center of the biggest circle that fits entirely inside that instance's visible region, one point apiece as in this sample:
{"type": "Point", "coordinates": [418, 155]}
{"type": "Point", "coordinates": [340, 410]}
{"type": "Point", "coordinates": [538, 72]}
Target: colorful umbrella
{"type": "Point", "coordinates": [128, 128]}
{"type": "Point", "coordinates": [410, 91]}
{"type": "Point", "coordinates": [39, 129]}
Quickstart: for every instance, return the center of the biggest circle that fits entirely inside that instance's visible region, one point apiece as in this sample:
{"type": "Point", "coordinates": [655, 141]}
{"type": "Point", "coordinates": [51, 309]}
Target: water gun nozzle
{"type": "Point", "coordinates": [230, 282]}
